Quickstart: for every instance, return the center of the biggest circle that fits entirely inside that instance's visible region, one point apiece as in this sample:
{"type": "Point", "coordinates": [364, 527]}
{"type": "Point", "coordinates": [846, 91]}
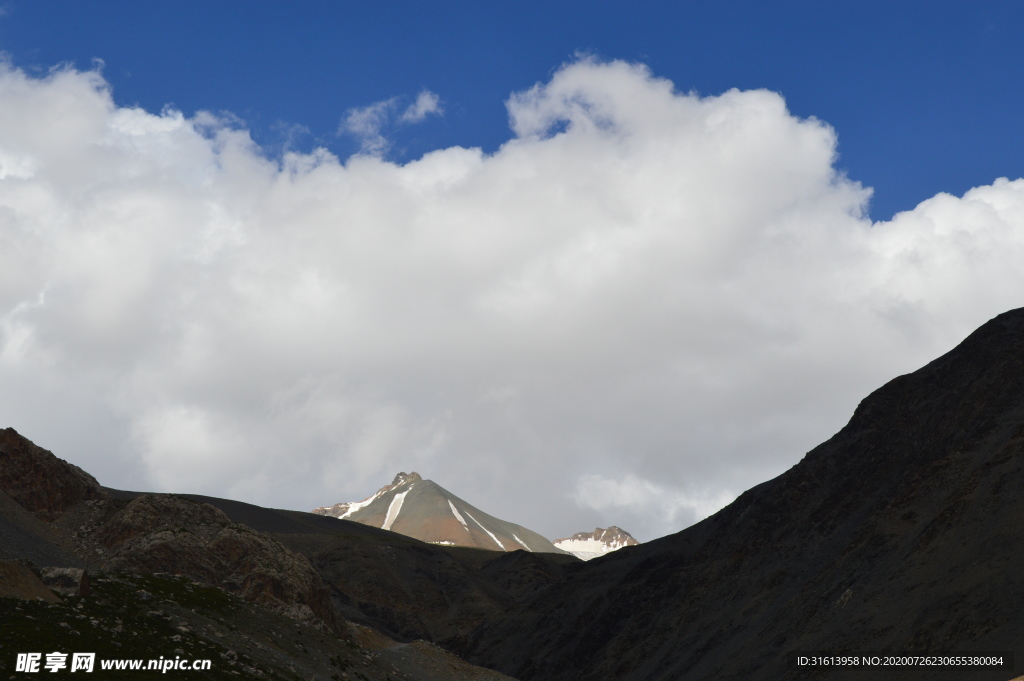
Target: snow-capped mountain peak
{"type": "Point", "coordinates": [588, 545]}
{"type": "Point", "coordinates": [426, 511]}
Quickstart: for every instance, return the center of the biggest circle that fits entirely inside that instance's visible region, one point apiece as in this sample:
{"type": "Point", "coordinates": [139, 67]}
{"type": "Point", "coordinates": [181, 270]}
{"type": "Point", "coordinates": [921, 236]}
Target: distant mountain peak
{"type": "Point", "coordinates": [588, 545]}
{"type": "Point", "coordinates": [424, 510]}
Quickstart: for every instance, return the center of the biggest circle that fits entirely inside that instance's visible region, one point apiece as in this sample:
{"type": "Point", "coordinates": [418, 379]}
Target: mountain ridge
{"type": "Point", "coordinates": [898, 533]}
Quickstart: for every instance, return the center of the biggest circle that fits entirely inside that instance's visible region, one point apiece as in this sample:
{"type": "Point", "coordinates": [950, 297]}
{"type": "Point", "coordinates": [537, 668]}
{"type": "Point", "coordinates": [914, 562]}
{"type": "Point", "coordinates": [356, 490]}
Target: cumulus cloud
{"type": "Point", "coordinates": [647, 296]}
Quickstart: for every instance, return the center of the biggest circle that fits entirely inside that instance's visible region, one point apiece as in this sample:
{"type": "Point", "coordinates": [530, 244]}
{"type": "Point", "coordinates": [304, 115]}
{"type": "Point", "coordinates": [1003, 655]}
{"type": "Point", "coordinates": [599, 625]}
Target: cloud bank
{"type": "Point", "coordinates": [643, 303]}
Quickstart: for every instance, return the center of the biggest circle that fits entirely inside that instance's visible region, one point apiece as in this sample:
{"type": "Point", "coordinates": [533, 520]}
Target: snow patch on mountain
{"type": "Point", "coordinates": [502, 546]}
{"type": "Point", "coordinates": [456, 513]}
{"type": "Point", "coordinates": [521, 542]}
{"type": "Point", "coordinates": [356, 505]}
{"type": "Point", "coordinates": [394, 509]}
{"type": "Point", "coordinates": [584, 550]}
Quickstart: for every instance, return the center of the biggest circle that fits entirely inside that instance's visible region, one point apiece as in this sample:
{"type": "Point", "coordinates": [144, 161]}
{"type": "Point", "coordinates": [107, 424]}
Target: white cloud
{"type": "Point", "coordinates": [661, 508]}
{"type": "Point", "coordinates": [426, 103]}
{"type": "Point", "coordinates": [674, 295]}
{"type": "Point", "coordinates": [367, 124]}
{"type": "Point", "coordinates": [370, 122]}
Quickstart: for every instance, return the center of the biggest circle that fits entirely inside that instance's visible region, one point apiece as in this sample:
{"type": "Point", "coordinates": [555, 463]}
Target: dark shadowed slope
{"type": "Point", "coordinates": [405, 588]}
{"type": "Point", "coordinates": [903, 532]}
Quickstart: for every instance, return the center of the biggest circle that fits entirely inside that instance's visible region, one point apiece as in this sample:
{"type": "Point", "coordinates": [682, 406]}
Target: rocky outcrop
{"type": "Point", "coordinates": [170, 534]}
{"type": "Point", "coordinates": [66, 581]}
{"type": "Point", "coordinates": [38, 480]}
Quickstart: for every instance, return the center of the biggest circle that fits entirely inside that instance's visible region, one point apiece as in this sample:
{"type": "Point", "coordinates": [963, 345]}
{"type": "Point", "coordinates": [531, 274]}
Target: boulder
{"type": "Point", "coordinates": [66, 580]}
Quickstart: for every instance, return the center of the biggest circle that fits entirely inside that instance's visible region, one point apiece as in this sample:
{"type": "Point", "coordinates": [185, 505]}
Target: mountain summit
{"type": "Point", "coordinates": [424, 510]}
{"type": "Point", "coordinates": [345, 509]}
{"type": "Point", "coordinates": [588, 545]}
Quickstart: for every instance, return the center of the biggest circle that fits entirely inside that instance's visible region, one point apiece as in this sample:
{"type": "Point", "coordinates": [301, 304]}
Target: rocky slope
{"type": "Point", "coordinates": [53, 509]}
{"type": "Point", "coordinates": [176, 575]}
{"type": "Point", "coordinates": [38, 481]}
{"type": "Point", "coordinates": [901, 533]}
{"type": "Point", "coordinates": [163, 533]}
{"type": "Point", "coordinates": [590, 545]}
{"type": "Point", "coordinates": [131, 616]}
{"type": "Point", "coordinates": [405, 588]}
{"type": "Point", "coordinates": [426, 511]}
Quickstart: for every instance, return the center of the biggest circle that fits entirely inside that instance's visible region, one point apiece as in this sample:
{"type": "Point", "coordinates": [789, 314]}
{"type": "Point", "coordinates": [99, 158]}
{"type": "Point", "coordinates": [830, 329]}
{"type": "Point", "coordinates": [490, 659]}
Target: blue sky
{"type": "Point", "coordinates": [580, 263]}
{"type": "Point", "coordinates": [925, 96]}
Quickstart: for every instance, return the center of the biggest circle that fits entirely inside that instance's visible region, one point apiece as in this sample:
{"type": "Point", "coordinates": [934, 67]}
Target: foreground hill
{"type": "Point", "coordinates": [261, 592]}
{"type": "Point", "coordinates": [400, 586]}
{"type": "Point", "coordinates": [903, 532]}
